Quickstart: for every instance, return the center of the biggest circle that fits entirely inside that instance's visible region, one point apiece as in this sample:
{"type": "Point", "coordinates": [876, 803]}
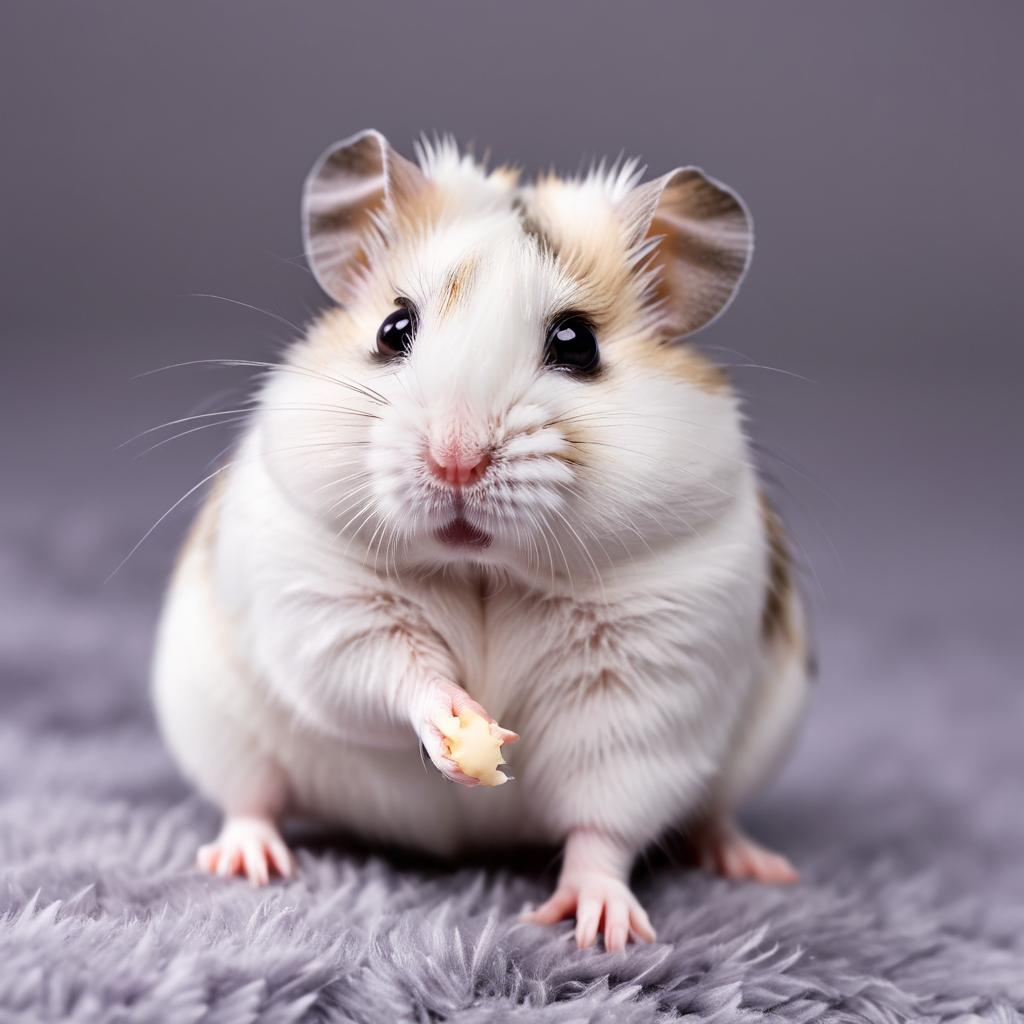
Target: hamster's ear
{"type": "Point", "coordinates": [355, 185]}
{"type": "Point", "coordinates": [700, 234]}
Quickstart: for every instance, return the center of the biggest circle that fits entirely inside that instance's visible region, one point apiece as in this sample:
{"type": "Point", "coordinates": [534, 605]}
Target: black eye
{"type": "Point", "coordinates": [571, 344]}
{"type": "Point", "coordinates": [394, 336]}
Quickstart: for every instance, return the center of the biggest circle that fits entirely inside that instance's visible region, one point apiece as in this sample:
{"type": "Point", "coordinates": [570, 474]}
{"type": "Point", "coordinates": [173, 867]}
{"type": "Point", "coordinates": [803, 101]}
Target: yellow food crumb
{"type": "Point", "coordinates": [475, 746]}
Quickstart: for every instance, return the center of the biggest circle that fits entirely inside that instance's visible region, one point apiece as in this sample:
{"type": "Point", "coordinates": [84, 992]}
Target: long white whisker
{"type": "Point", "coordinates": [142, 540]}
{"type": "Point", "coordinates": [192, 430]}
{"type": "Point", "coordinates": [362, 389]}
{"type": "Point", "coordinates": [248, 305]}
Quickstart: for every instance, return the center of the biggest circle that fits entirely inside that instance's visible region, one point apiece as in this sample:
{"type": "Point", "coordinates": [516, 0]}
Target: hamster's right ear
{"type": "Point", "coordinates": [356, 185]}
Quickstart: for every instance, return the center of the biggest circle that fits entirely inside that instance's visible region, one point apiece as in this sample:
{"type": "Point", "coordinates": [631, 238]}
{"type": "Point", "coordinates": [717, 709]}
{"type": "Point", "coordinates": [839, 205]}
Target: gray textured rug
{"type": "Point", "coordinates": [902, 808]}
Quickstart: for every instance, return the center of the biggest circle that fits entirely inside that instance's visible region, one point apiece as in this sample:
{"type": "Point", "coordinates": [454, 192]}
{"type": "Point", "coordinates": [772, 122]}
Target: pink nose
{"type": "Point", "coordinates": [458, 468]}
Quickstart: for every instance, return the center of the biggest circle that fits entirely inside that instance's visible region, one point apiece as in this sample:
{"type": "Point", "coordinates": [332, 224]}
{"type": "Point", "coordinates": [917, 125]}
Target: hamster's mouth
{"type": "Point", "coordinates": [460, 533]}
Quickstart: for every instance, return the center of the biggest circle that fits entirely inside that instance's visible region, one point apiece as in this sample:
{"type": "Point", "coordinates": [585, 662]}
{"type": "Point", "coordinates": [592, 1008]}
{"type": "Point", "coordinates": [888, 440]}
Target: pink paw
{"type": "Point", "coordinates": [598, 902]}
{"type": "Point", "coordinates": [732, 854]}
{"type": "Point", "coordinates": [448, 701]}
{"type": "Point", "coordinates": [247, 846]}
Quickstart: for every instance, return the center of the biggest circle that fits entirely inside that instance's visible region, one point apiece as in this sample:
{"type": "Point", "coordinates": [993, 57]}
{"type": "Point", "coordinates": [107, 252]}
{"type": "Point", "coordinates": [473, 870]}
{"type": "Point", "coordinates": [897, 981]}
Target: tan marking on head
{"type": "Point", "coordinates": [776, 621]}
{"type": "Point", "coordinates": [582, 231]}
{"type": "Point", "coordinates": [456, 285]}
{"type": "Point", "coordinates": [587, 238]}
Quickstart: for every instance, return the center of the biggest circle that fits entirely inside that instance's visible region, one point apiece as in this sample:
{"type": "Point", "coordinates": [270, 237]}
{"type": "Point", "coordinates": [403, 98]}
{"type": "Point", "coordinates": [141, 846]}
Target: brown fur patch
{"type": "Point", "coordinates": [776, 620]}
{"type": "Point", "coordinates": [456, 285]}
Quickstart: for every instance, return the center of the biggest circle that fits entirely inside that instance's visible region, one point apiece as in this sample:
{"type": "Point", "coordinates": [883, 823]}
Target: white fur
{"type": "Point", "coordinates": [614, 621]}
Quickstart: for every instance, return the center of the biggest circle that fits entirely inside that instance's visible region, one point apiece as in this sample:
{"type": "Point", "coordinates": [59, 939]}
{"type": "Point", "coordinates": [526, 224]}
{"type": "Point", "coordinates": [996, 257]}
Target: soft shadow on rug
{"type": "Point", "coordinates": [902, 809]}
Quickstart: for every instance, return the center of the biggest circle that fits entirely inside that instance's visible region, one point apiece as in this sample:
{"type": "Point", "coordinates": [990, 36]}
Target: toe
{"type": "Point", "coordinates": [774, 869]}
{"type": "Point", "coordinates": [281, 857]}
{"type": "Point", "coordinates": [553, 910]}
{"type": "Point", "coordinates": [588, 919]}
{"type": "Point", "coordinates": [207, 857]}
{"type": "Point", "coordinates": [616, 925]}
{"type": "Point", "coordinates": [230, 862]}
{"type": "Point", "coordinates": [254, 857]}
{"type": "Point", "coordinates": [640, 924]}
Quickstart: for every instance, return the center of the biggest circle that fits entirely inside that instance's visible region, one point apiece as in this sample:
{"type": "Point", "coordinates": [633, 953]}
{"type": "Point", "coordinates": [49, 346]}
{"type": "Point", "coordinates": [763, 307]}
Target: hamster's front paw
{"type": "Point", "coordinates": [462, 739]}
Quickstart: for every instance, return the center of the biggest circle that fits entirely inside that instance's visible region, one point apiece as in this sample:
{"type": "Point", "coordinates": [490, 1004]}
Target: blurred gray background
{"type": "Point", "coordinates": [154, 151]}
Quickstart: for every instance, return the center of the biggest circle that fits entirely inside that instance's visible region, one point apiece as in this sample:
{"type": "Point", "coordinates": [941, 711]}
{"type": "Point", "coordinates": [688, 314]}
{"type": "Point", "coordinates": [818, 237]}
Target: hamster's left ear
{"type": "Point", "coordinates": [357, 185]}
{"type": "Point", "coordinates": [701, 237]}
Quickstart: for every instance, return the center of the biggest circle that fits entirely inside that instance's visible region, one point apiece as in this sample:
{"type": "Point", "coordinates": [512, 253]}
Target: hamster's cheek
{"type": "Point", "coordinates": [657, 456]}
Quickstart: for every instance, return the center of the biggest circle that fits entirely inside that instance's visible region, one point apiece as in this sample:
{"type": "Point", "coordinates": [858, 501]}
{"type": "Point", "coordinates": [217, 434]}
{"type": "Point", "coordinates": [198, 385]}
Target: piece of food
{"type": "Point", "coordinates": [474, 744]}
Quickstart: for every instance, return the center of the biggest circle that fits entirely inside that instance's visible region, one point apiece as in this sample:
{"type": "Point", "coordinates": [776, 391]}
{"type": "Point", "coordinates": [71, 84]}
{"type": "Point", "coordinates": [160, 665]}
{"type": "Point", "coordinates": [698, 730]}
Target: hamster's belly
{"type": "Point", "coordinates": [391, 793]}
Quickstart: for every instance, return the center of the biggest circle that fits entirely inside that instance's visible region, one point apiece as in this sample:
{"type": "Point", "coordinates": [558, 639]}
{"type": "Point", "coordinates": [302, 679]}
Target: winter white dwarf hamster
{"type": "Point", "coordinates": [494, 480]}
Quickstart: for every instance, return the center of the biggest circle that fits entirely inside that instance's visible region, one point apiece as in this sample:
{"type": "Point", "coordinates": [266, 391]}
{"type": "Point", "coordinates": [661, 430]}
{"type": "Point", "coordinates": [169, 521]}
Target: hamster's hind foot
{"type": "Point", "coordinates": [593, 887]}
{"type": "Point", "coordinates": [249, 846]}
{"type": "Point", "coordinates": [597, 901]}
{"type": "Point", "coordinates": [728, 851]}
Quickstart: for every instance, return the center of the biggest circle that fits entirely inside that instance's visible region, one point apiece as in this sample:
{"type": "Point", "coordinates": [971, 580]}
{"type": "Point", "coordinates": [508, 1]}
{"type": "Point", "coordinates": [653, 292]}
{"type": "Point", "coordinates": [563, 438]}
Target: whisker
{"type": "Point", "coordinates": [248, 305]}
{"type": "Point", "coordinates": [192, 430]}
{"type": "Point", "coordinates": [586, 552]}
{"type": "Point", "coordinates": [365, 390]}
{"type": "Point", "coordinates": [346, 497]}
{"type": "Point", "coordinates": [249, 410]}
{"type": "Point", "coordinates": [192, 490]}
{"type": "Point", "coordinates": [341, 480]}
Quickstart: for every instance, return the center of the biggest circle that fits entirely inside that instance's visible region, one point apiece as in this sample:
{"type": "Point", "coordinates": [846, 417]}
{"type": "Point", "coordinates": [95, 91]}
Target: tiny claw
{"type": "Point", "coordinates": [505, 735]}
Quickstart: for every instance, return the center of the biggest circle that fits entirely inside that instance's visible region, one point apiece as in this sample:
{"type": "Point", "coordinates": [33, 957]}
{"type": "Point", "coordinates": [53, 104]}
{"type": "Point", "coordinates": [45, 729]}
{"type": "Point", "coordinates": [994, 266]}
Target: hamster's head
{"type": "Point", "coordinates": [504, 381]}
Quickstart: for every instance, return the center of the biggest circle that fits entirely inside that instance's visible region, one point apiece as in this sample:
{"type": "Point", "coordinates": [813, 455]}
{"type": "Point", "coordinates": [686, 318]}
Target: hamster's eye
{"type": "Point", "coordinates": [395, 334]}
{"type": "Point", "coordinates": [571, 344]}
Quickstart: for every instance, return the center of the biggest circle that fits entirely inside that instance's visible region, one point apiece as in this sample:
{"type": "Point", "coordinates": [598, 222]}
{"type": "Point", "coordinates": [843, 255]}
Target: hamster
{"type": "Point", "coordinates": [494, 479]}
